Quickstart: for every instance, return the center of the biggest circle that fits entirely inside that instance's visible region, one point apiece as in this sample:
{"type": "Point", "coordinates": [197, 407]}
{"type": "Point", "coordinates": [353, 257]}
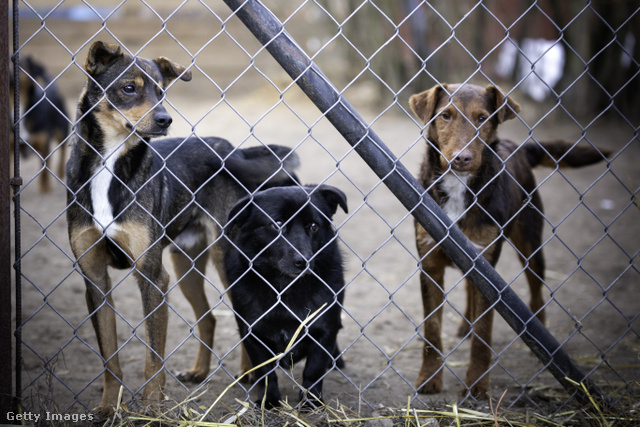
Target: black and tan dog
{"type": "Point", "coordinates": [44, 116]}
{"type": "Point", "coordinates": [486, 187]}
{"type": "Point", "coordinates": [283, 264]}
{"type": "Point", "coordinates": [129, 197]}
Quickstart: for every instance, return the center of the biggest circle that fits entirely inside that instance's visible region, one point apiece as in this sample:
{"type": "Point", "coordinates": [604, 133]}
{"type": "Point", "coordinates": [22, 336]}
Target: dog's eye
{"type": "Point", "coordinates": [276, 225]}
{"type": "Point", "coordinates": [446, 116]}
{"type": "Point", "coordinates": [129, 89]}
{"type": "Point", "coordinates": [313, 227]}
{"type": "Point", "coordinates": [481, 119]}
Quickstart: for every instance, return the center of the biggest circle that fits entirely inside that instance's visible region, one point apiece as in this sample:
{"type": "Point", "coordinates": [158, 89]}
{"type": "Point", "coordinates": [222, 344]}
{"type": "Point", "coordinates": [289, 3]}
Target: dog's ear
{"type": "Point", "coordinates": [101, 56]}
{"type": "Point", "coordinates": [505, 107]}
{"type": "Point", "coordinates": [171, 71]}
{"type": "Point", "coordinates": [238, 214]}
{"type": "Point", "coordinates": [333, 197]}
{"type": "Point", "coordinates": [424, 103]}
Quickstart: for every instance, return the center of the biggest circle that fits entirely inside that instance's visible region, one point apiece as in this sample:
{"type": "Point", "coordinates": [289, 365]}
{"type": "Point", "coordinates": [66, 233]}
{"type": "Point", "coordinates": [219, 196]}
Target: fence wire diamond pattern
{"type": "Point", "coordinates": [572, 67]}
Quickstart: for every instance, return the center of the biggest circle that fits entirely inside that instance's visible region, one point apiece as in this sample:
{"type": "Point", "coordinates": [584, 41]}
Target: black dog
{"type": "Point", "coordinates": [282, 264]}
{"type": "Point", "coordinates": [44, 118]}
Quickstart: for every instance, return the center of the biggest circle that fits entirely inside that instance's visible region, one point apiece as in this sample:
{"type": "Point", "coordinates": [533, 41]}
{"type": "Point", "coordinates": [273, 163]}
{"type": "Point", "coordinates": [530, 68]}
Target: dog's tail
{"type": "Point", "coordinates": [265, 166]}
{"type": "Point", "coordinates": [563, 154]}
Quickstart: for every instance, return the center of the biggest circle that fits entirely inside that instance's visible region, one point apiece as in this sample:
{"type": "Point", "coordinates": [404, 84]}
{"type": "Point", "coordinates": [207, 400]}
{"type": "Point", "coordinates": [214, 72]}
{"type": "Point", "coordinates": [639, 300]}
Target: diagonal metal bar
{"type": "Point", "coordinates": [271, 33]}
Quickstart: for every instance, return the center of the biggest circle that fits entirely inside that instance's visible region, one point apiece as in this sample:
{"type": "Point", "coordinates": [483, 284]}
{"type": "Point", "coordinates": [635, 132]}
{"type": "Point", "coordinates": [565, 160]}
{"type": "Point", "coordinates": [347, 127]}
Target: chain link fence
{"type": "Point", "coordinates": [573, 67]}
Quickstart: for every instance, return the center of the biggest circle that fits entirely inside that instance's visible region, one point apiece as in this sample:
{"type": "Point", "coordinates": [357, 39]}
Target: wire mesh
{"type": "Point", "coordinates": [573, 68]}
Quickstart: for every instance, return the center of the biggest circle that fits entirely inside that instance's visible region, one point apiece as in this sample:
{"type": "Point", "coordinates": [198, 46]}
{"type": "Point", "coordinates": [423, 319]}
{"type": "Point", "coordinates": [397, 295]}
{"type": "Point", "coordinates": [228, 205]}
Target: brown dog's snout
{"type": "Point", "coordinates": [462, 159]}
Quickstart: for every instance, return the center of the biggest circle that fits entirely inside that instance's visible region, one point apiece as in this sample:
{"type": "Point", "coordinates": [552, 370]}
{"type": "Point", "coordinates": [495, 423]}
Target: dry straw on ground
{"type": "Point", "coordinates": [336, 415]}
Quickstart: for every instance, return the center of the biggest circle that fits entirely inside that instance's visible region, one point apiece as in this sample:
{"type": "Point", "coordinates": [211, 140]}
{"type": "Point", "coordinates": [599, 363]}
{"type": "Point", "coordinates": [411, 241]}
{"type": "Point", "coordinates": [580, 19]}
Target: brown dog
{"type": "Point", "coordinates": [486, 187]}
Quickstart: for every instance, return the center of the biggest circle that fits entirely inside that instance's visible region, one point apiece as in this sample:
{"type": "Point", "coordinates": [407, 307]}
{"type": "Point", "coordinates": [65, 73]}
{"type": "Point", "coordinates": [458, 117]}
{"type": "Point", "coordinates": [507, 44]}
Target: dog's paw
{"type": "Point", "coordinates": [100, 414]}
{"type": "Point", "coordinates": [429, 387]}
{"type": "Point", "coordinates": [268, 403]}
{"type": "Point", "coordinates": [479, 391]}
{"type": "Point", "coordinates": [152, 402]}
{"type": "Point", "coordinates": [477, 381]}
{"type": "Point", "coordinates": [191, 376]}
{"type": "Point", "coordinates": [310, 403]}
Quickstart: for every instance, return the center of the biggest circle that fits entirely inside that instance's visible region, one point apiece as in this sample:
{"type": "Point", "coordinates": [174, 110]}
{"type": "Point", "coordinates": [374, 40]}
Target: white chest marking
{"type": "Point", "coordinates": [102, 209]}
{"type": "Point", "coordinates": [455, 187]}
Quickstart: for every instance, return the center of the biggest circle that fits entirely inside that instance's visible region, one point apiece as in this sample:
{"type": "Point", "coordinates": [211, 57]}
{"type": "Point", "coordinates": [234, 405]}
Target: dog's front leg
{"type": "Point", "coordinates": [90, 252]}
{"type": "Point", "coordinates": [432, 288]}
{"type": "Point", "coordinates": [481, 324]}
{"type": "Point", "coordinates": [190, 272]}
{"type": "Point", "coordinates": [465, 323]}
{"type": "Point", "coordinates": [153, 288]}
{"type": "Point", "coordinates": [480, 354]}
{"type": "Point", "coordinates": [217, 256]}
{"type": "Point", "coordinates": [318, 362]}
{"type": "Point", "coordinates": [269, 382]}
{"type": "Point", "coordinates": [40, 142]}
{"type": "Point", "coordinates": [100, 303]}
{"type": "Point", "coordinates": [266, 378]}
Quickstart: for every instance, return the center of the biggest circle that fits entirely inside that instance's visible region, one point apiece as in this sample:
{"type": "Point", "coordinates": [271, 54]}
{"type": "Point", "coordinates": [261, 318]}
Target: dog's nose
{"type": "Point", "coordinates": [299, 261]}
{"type": "Point", "coordinates": [162, 119]}
{"type": "Point", "coordinates": [462, 159]}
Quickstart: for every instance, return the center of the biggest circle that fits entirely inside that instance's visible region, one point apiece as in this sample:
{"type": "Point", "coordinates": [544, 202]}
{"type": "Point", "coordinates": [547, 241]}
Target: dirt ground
{"type": "Point", "coordinates": [591, 246]}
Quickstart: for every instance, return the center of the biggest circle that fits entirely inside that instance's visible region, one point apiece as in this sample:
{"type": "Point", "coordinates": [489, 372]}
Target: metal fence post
{"type": "Point", "coordinates": [271, 33]}
{"type": "Point", "coordinates": [6, 365]}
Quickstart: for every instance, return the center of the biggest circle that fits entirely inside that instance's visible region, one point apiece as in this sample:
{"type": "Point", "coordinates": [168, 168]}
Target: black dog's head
{"type": "Point", "coordinates": [126, 92]}
{"type": "Point", "coordinates": [281, 230]}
